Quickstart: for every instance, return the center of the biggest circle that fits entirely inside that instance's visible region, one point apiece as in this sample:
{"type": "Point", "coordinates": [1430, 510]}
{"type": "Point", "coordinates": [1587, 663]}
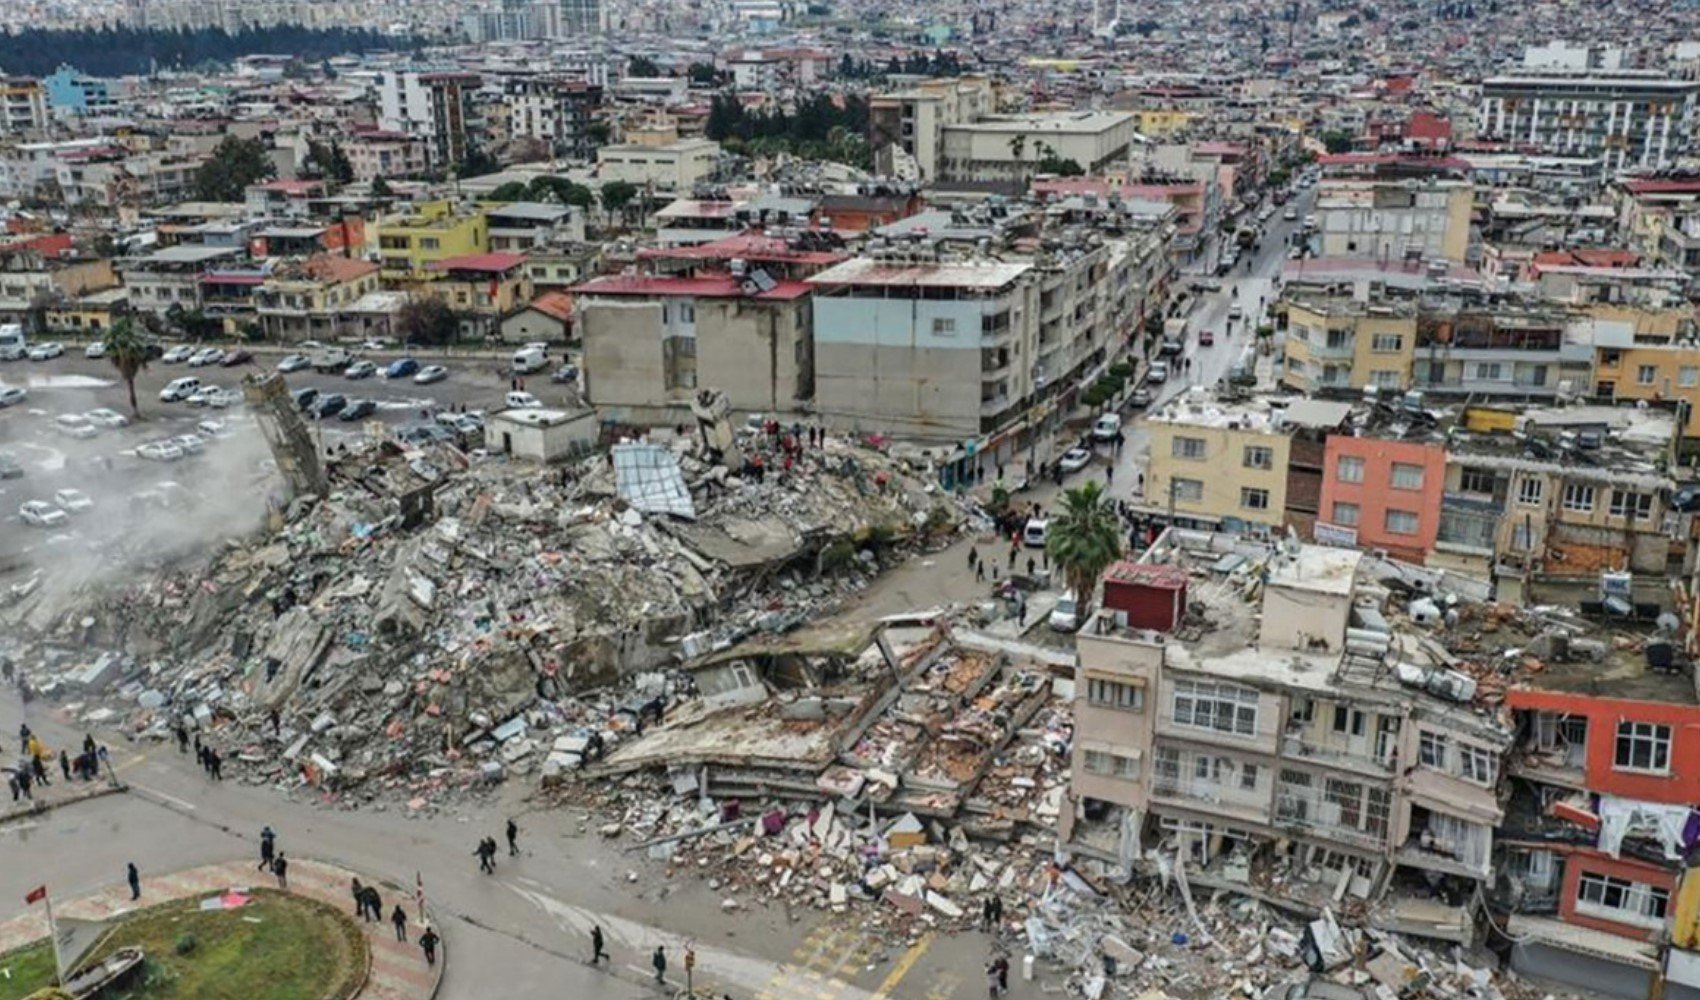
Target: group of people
{"type": "Point", "coordinates": [369, 907]}
{"type": "Point", "coordinates": [32, 767]}
{"type": "Point", "coordinates": [486, 849]}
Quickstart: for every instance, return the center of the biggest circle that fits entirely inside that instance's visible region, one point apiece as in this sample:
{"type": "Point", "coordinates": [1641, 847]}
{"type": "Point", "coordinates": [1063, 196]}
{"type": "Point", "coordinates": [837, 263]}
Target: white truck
{"type": "Point", "coordinates": [531, 358]}
{"type": "Point", "coordinates": [14, 346]}
{"type": "Point", "coordinates": [331, 359]}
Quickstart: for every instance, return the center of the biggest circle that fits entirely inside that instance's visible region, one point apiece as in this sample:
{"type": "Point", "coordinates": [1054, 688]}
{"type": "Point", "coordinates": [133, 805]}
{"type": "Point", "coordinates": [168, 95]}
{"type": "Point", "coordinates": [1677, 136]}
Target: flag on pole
{"type": "Point", "coordinates": [419, 893]}
{"type": "Point", "coordinates": [36, 895]}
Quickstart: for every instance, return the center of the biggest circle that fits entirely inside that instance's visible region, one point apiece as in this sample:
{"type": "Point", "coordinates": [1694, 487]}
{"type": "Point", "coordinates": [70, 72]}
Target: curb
{"type": "Point", "coordinates": [39, 807]}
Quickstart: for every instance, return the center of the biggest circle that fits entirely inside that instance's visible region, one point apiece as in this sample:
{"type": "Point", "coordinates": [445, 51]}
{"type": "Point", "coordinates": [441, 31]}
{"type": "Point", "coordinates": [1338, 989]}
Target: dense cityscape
{"type": "Point", "coordinates": [779, 500]}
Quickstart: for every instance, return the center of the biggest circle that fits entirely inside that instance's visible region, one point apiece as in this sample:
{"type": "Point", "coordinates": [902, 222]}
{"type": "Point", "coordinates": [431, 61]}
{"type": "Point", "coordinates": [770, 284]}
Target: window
{"type": "Point", "coordinates": [1646, 374]}
{"type": "Point", "coordinates": [1189, 448]}
{"type": "Point", "coordinates": [1476, 481]}
{"type": "Point", "coordinates": [1642, 746]}
{"type": "Point", "coordinates": [1530, 491]}
{"type": "Point", "coordinates": [1350, 469]}
{"type": "Point", "coordinates": [1407, 477]}
{"type": "Point", "coordinates": [1636, 506]}
{"type": "Point", "coordinates": [1688, 376]}
{"type": "Point", "coordinates": [1578, 497]}
{"type": "Point", "coordinates": [1222, 707]}
{"type": "Point", "coordinates": [1346, 514]}
{"type": "Point", "coordinates": [1258, 456]}
{"type": "Point", "coordinates": [1111, 764]}
{"type": "Point", "coordinates": [1342, 718]}
{"type": "Point", "coordinates": [1476, 764]}
{"type": "Point", "coordinates": [1103, 693]}
{"type": "Point", "coordinates": [1522, 537]}
{"type": "Point", "coordinates": [1432, 750]}
{"type": "Point", "coordinates": [1488, 371]}
{"type": "Point", "coordinates": [1621, 900]}
{"type": "Point", "coordinates": [1386, 343]}
{"type": "Point", "coordinates": [944, 327]}
{"type": "Point", "coordinates": [1252, 499]}
{"type": "Point", "coordinates": [1401, 522]}
{"type": "Point", "coordinates": [1248, 777]}
{"type": "Point", "coordinates": [1385, 379]}
{"type": "Point", "coordinates": [1188, 489]}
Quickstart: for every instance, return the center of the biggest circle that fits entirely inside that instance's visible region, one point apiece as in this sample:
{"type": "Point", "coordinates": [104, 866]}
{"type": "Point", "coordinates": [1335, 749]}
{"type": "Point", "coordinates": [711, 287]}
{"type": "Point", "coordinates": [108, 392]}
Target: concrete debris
{"type": "Point", "coordinates": [435, 623]}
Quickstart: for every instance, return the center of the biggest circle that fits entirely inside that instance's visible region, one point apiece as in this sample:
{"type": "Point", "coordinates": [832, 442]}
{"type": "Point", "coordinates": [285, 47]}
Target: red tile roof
{"type": "Point", "coordinates": [751, 245]}
{"type": "Point", "coordinates": [324, 267]}
{"type": "Point", "coordinates": [707, 286]}
{"type": "Point", "coordinates": [495, 263]}
{"type": "Point", "coordinates": [558, 305]}
{"type": "Point", "coordinates": [1426, 125]}
{"type": "Point", "coordinates": [1685, 185]}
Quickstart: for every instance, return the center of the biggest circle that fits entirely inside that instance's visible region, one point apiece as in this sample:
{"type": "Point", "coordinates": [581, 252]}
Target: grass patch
{"type": "Point", "coordinates": [279, 947]}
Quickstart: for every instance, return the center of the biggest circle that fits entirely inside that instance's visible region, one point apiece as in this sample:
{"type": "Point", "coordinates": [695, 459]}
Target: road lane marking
{"type": "Point", "coordinates": [904, 964]}
{"type": "Point", "coordinates": [174, 800]}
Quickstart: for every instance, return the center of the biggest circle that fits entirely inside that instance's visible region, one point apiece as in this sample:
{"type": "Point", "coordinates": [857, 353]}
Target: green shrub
{"type": "Point", "coordinates": [185, 943]}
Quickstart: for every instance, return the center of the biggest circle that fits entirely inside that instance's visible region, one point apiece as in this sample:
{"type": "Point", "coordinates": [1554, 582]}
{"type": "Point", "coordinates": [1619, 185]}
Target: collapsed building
{"type": "Point", "coordinates": [430, 618]}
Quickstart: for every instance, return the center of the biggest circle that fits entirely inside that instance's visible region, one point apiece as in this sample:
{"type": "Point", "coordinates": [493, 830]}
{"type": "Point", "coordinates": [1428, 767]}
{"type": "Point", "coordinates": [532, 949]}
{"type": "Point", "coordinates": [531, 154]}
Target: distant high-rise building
{"type": "Point", "coordinates": [581, 17]}
{"type": "Point", "coordinates": [436, 107]}
{"type": "Point", "coordinates": [1624, 118]}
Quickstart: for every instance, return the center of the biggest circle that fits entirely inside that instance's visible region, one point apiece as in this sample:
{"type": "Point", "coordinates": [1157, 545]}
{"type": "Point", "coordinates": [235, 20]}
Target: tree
{"type": "Point", "coordinates": [127, 349]}
{"type": "Point", "coordinates": [703, 74]}
{"type": "Point", "coordinates": [1337, 141]}
{"type": "Point", "coordinates": [643, 66]}
{"type": "Point", "coordinates": [616, 195]}
{"type": "Point", "coordinates": [1084, 539]}
{"type": "Point", "coordinates": [1054, 164]}
{"type": "Point", "coordinates": [427, 322]}
{"type": "Point", "coordinates": [381, 188]}
{"type": "Point", "coordinates": [327, 161]}
{"type": "Point", "coordinates": [232, 166]}
{"type": "Point", "coordinates": [511, 191]}
{"type": "Point", "coordinates": [476, 163]}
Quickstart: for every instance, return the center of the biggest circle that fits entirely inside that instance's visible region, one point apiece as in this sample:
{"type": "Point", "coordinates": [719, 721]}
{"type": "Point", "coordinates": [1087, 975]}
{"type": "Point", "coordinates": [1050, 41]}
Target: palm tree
{"type": "Point", "coordinates": [1084, 539]}
{"type": "Point", "coordinates": [128, 352]}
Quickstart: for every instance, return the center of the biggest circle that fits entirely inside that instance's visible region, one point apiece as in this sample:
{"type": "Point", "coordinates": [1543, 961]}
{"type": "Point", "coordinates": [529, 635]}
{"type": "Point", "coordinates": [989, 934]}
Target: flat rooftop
{"type": "Point", "coordinates": [1197, 408]}
{"type": "Point", "coordinates": [985, 275]}
{"type": "Point", "coordinates": [1318, 568]}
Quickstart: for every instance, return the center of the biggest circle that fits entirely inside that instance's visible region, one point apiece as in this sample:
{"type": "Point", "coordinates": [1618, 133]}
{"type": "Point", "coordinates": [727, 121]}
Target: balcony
{"type": "Point", "coordinates": [1331, 349]}
{"type": "Point", "coordinates": [1218, 798]}
{"type": "Point", "coordinates": [1366, 762]}
{"type": "Point", "coordinates": [994, 406]}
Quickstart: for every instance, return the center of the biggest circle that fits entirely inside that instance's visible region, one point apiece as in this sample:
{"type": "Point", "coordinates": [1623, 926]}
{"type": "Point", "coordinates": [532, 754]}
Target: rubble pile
{"type": "Point", "coordinates": [438, 622]}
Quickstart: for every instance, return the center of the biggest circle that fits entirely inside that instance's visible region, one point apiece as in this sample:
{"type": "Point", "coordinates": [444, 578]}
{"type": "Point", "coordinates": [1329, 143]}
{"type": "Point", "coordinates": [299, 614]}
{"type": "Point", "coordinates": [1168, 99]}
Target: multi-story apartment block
{"type": "Point", "coordinates": [1218, 464]}
{"type": "Point", "coordinates": [1008, 147]}
{"type": "Point", "coordinates": [482, 288]}
{"type": "Point", "coordinates": [171, 278]}
{"type": "Point", "coordinates": [1278, 739]}
{"type": "Point", "coordinates": [378, 153]}
{"type": "Point", "coordinates": [1341, 343]}
{"type": "Point", "coordinates": [1382, 492]}
{"type": "Point", "coordinates": [23, 107]}
{"type": "Point", "coordinates": [437, 107]}
{"type": "Point", "coordinates": [913, 121]}
{"type": "Point", "coordinates": [74, 94]}
{"type": "Point", "coordinates": [672, 169]}
{"type": "Point", "coordinates": [310, 299]}
{"type": "Point", "coordinates": [1626, 118]}
{"type": "Point", "coordinates": [1393, 207]}
{"type": "Point", "coordinates": [431, 232]}
{"type": "Point", "coordinates": [554, 110]}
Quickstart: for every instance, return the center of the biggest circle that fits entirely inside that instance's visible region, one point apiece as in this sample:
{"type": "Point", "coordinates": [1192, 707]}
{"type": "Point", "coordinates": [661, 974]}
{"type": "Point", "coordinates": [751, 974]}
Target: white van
{"type": "Point", "coordinates": [1065, 617]}
{"type": "Point", "coordinates": [14, 346]}
{"type": "Point", "coordinates": [1035, 533]}
{"type": "Point", "coordinates": [179, 388]}
{"type": "Point", "coordinates": [1106, 427]}
{"type": "Point", "coordinates": [530, 358]}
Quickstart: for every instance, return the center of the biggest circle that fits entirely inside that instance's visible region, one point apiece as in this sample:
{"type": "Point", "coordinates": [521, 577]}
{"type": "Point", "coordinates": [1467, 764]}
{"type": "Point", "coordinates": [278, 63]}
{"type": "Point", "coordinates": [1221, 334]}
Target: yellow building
{"type": "Point", "coordinates": [93, 313]}
{"type": "Point", "coordinates": [1654, 372]}
{"type": "Point", "coordinates": [1161, 123]}
{"type": "Point", "coordinates": [311, 299]}
{"type": "Point", "coordinates": [483, 288]}
{"type": "Point", "coordinates": [1214, 462]}
{"type": "Point", "coordinates": [1340, 343]}
{"type": "Point", "coordinates": [434, 232]}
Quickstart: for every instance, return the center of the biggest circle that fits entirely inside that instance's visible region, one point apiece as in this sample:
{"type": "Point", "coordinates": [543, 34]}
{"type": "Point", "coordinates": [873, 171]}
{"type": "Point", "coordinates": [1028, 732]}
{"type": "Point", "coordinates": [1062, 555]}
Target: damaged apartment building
{"type": "Point", "coordinates": [1260, 716]}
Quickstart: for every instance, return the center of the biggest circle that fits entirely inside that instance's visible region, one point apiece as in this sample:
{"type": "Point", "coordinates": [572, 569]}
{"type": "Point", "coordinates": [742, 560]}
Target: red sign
{"type": "Point", "coordinates": [36, 895]}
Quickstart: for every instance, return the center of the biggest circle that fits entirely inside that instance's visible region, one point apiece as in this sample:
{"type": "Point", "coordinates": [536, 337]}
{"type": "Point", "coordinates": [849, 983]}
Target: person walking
{"type": "Point", "coordinates": [513, 838]}
{"type": "Point", "coordinates": [399, 920]}
{"type": "Point", "coordinates": [359, 893]}
{"type": "Point", "coordinates": [991, 980]}
{"type": "Point", "coordinates": [39, 771]}
{"type": "Point", "coordinates": [973, 557]}
{"type": "Point", "coordinates": [428, 942]}
{"type": "Point", "coordinates": [134, 877]}
{"type": "Point", "coordinates": [65, 766]}
{"type": "Point", "coordinates": [280, 868]}
{"type": "Point", "coordinates": [24, 737]}
{"type": "Point", "coordinates": [268, 848]}
{"type": "Point", "coordinates": [182, 734]}
{"type": "Point", "coordinates": [596, 952]}
{"type": "Point", "coordinates": [1000, 969]}
{"type": "Point", "coordinates": [486, 856]}
{"type": "Point", "coordinates": [216, 763]}
{"type": "Point", "coordinates": [374, 904]}
{"type": "Point", "coordinates": [659, 962]}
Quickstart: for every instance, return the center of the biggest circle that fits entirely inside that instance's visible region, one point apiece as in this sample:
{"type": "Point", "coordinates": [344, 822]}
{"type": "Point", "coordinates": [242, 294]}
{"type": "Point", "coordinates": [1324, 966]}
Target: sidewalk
{"type": "Point", "coordinates": [398, 971]}
{"type": "Point", "coordinates": [60, 793]}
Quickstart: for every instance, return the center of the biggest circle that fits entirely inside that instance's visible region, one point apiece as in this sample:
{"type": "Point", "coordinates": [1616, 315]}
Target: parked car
{"type": "Point", "coordinates": [235, 356]}
{"type": "Point", "coordinates": [104, 417]}
{"type": "Point", "coordinates": [179, 388]}
{"type": "Point", "coordinates": [42, 514]}
{"type": "Point", "coordinates": [48, 351]}
{"type": "Point", "coordinates": [203, 395]}
{"type": "Point", "coordinates": [1066, 616]}
{"type": "Point", "coordinates": [1235, 312]}
{"type": "Point", "coordinates": [1206, 338]}
{"type": "Point", "coordinates": [192, 444]}
{"type": "Point", "coordinates": [12, 395]}
{"type": "Point", "coordinates": [522, 401]}
{"type": "Point", "coordinates": [329, 405]}
{"type": "Point", "coordinates": [1139, 398]}
{"type": "Point", "coordinates": [72, 501]}
{"type": "Point", "coordinates": [95, 350]}
{"type": "Point", "coordinates": [360, 369]}
{"type": "Point", "coordinates": [1158, 373]}
{"type": "Point", "coordinates": [565, 373]}
{"type": "Point", "coordinates": [220, 399]}
{"type": "Point", "coordinates": [1106, 427]}
{"type": "Point", "coordinates": [294, 363]}
{"type": "Point", "coordinates": [401, 368]}
{"type": "Point", "coordinates": [75, 425]}
{"type": "Point", "coordinates": [358, 410]}
{"type": "Point", "coordinates": [9, 467]}
{"type": "Point", "coordinates": [1291, 214]}
{"type": "Point", "coordinates": [305, 397]}
{"type": "Point", "coordinates": [1035, 532]}
{"type": "Point", "coordinates": [1075, 459]}
{"type": "Point", "coordinates": [205, 356]}
{"type": "Point", "coordinates": [430, 374]}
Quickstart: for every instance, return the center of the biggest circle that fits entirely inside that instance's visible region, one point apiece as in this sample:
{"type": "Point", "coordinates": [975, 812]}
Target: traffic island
{"type": "Point", "coordinates": [206, 934]}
